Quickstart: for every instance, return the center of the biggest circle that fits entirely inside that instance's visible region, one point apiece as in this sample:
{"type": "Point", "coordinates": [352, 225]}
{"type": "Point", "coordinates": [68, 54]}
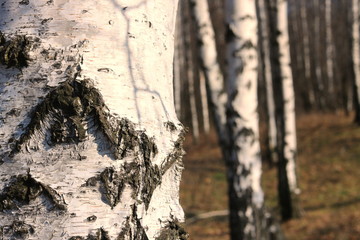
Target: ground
{"type": "Point", "coordinates": [329, 176]}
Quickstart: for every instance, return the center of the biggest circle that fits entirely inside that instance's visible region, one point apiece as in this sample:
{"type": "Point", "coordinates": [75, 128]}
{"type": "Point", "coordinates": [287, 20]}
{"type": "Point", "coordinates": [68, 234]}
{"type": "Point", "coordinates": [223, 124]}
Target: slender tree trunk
{"type": "Point", "coordinates": [265, 41]}
{"type": "Point", "coordinates": [288, 187]}
{"type": "Point", "coordinates": [204, 102]}
{"type": "Point", "coordinates": [211, 67]}
{"type": "Point", "coordinates": [306, 39]}
{"type": "Point", "coordinates": [90, 143]}
{"type": "Point", "coordinates": [356, 55]}
{"type": "Point", "coordinates": [329, 50]}
{"type": "Point", "coordinates": [244, 164]}
{"type": "Point", "coordinates": [317, 52]}
{"type": "Point", "coordinates": [190, 72]}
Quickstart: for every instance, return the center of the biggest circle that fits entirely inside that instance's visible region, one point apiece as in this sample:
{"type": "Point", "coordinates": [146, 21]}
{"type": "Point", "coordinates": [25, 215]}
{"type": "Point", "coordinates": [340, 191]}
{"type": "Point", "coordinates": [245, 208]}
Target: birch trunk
{"type": "Point", "coordinates": [90, 142]}
{"type": "Point", "coordinates": [204, 102]}
{"type": "Point", "coordinates": [317, 52]}
{"type": "Point", "coordinates": [190, 72]}
{"type": "Point", "coordinates": [266, 45]}
{"type": "Point", "coordinates": [356, 55]}
{"type": "Point", "coordinates": [244, 164]}
{"type": "Point", "coordinates": [306, 39]}
{"type": "Point", "coordinates": [211, 67]}
{"type": "Point", "coordinates": [329, 50]}
{"type": "Point", "coordinates": [288, 187]}
{"type": "Point", "coordinates": [178, 63]}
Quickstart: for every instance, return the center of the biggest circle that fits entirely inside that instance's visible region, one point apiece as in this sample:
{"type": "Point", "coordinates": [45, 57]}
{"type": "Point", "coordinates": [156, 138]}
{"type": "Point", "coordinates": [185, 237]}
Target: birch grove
{"type": "Point", "coordinates": [90, 143]}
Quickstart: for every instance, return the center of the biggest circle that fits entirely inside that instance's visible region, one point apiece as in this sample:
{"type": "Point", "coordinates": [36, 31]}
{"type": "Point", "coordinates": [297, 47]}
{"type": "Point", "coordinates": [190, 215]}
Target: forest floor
{"type": "Point", "coordinates": [329, 176]}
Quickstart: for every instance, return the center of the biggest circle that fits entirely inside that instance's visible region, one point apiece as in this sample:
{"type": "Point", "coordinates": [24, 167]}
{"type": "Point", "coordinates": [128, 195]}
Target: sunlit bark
{"type": "Point", "coordinates": [90, 143]}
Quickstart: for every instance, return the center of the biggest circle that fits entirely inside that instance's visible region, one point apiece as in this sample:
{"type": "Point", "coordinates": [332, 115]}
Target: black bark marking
{"type": "Point", "coordinates": [24, 2]}
{"type": "Point", "coordinates": [176, 153]}
{"type": "Point", "coordinates": [17, 230]}
{"type": "Point", "coordinates": [170, 126]}
{"type": "Point", "coordinates": [229, 35]}
{"type": "Point", "coordinates": [132, 228]}
{"type": "Point", "coordinates": [69, 106]}
{"type": "Point", "coordinates": [173, 230]}
{"type": "Point", "coordinates": [91, 218]}
{"type": "Point", "coordinates": [23, 189]}
{"type": "Point", "coordinates": [101, 234]}
{"type": "Point", "coordinates": [14, 52]}
{"type": "Point", "coordinates": [140, 174]}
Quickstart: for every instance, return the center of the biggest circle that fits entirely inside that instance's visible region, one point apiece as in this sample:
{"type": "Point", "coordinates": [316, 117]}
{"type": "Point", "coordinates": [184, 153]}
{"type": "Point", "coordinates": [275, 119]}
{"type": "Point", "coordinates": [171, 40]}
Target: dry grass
{"type": "Point", "coordinates": [329, 174]}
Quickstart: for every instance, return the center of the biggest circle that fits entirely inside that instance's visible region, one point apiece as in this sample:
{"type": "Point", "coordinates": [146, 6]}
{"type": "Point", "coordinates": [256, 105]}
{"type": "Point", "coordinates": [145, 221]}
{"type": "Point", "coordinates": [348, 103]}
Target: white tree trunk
{"type": "Point", "coordinates": [210, 65]}
{"type": "Point", "coordinates": [204, 102]}
{"type": "Point", "coordinates": [288, 94]}
{"type": "Point", "coordinates": [356, 45]}
{"type": "Point", "coordinates": [244, 173]}
{"type": "Point", "coordinates": [286, 121]}
{"type": "Point", "coordinates": [90, 144]}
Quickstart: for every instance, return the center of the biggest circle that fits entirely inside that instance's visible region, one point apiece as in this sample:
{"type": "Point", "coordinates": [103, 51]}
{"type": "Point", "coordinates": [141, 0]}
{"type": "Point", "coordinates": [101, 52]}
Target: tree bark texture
{"type": "Point", "coordinates": [90, 143]}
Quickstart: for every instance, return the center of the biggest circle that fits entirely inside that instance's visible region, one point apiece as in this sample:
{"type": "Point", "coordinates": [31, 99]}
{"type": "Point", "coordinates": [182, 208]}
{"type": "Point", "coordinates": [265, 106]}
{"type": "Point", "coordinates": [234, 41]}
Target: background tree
{"type": "Point", "coordinates": [90, 143]}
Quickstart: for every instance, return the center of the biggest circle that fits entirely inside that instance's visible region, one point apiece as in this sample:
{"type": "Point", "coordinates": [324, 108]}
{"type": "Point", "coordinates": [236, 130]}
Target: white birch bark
{"type": "Point", "coordinates": [204, 103]}
{"type": "Point", "coordinates": [268, 78]}
{"type": "Point", "coordinates": [290, 147]}
{"type": "Point", "coordinates": [329, 48]}
{"type": "Point", "coordinates": [211, 67]}
{"type": "Point", "coordinates": [356, 45]}
{"type": "Point", "coordinates": [90, 143]}
{"type": "Point", "coordinates": [244, 173]}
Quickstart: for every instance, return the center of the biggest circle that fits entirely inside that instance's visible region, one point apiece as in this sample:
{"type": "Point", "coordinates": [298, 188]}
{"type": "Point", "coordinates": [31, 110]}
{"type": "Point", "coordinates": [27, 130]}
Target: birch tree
{"type": "Point", "coordinates": [356, 54]}
{"type": "Point", "coordinates": [90, 144]}
{"type": "Point", "coordinates": [266, 45]}
{"type": "Point", "coordinates": [209, 62]}
{"type": "Point", "coordinates": [244, 164]}
{"type": "Point", "coordinates": [285, 101]}
{"type": "Point", "coordinates": [329, 49]}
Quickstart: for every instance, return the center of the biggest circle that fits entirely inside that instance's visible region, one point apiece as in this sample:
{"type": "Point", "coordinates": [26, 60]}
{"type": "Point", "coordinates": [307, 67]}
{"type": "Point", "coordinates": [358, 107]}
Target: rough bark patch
{"type": "Point", "coordinates": [132, 228]}
{"type": "Point", "coordinates": [17, 230]}
{"type": "Point", "coordinates": [69, 106]}
{"type": "Point", "coordinates": [173, 230]}
{"type": "Point", "coordinates": [23, 189]}
{"type": "Point", "coordinates": [14, 51]}
{"type": "Point", "coordinates": [101, 234]}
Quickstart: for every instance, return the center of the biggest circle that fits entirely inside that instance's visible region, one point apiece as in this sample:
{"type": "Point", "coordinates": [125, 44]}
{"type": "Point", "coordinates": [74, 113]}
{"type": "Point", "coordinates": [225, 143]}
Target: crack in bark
{"type": "Point", "coordinates": [23, 189]}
